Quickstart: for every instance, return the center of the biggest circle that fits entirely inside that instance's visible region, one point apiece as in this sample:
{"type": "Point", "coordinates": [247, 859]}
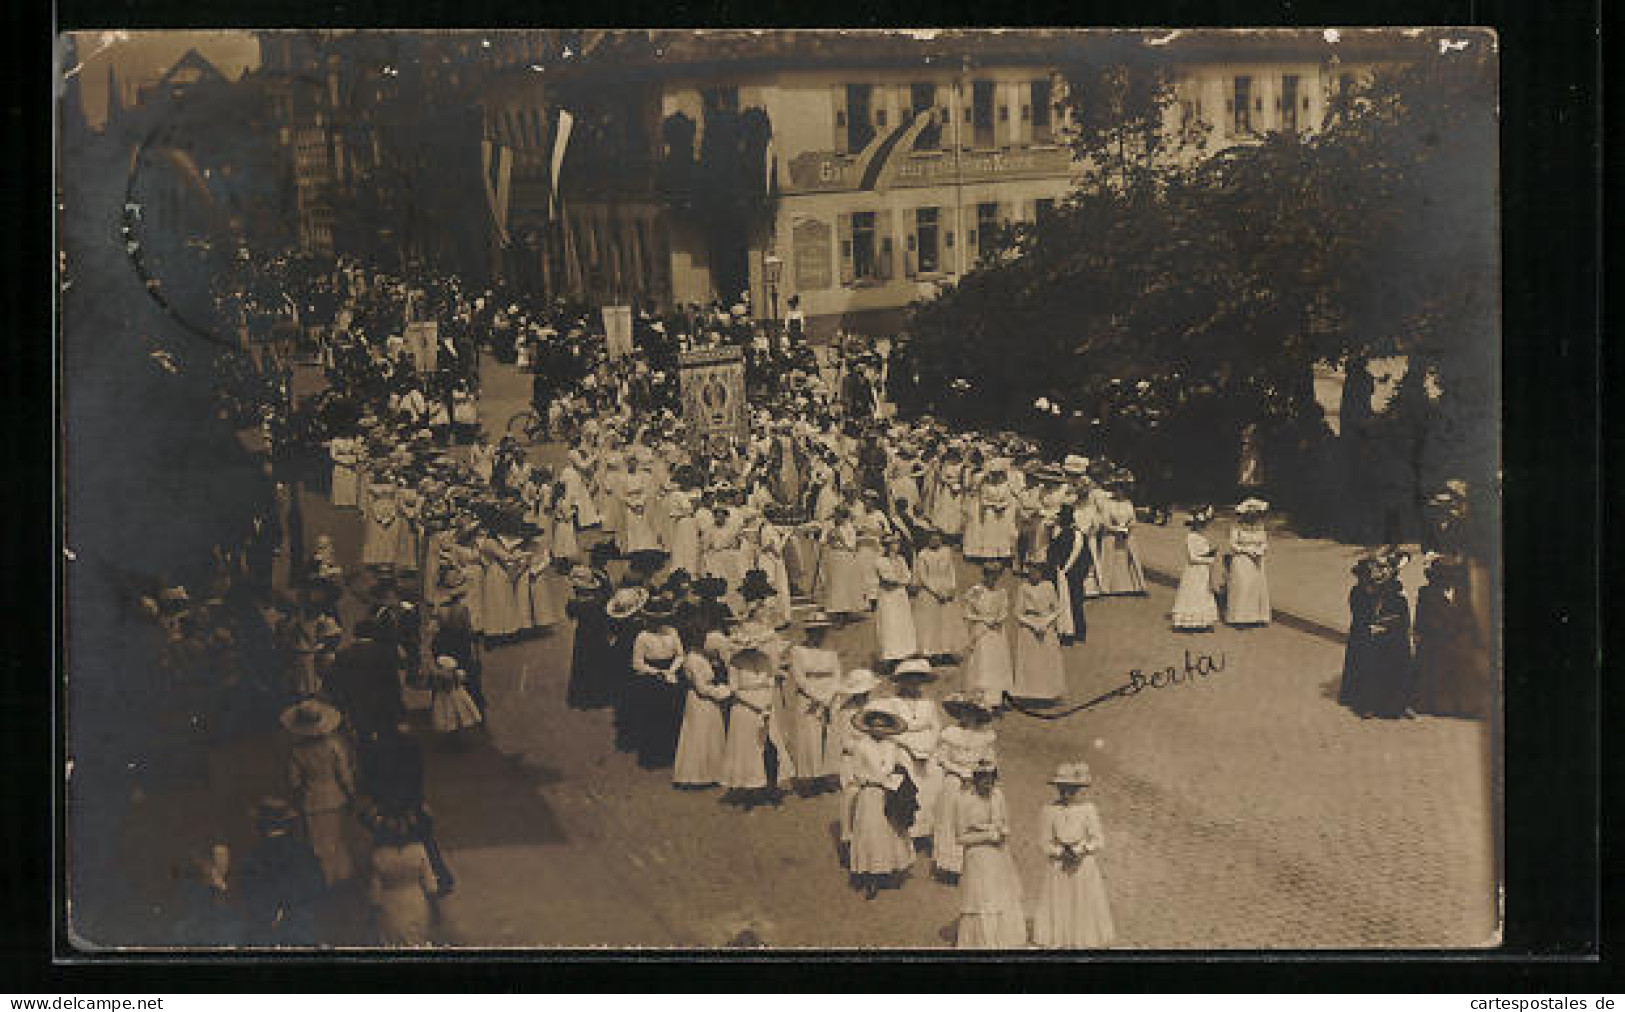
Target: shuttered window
{"type": "Point", "coordinates": [844, 238]}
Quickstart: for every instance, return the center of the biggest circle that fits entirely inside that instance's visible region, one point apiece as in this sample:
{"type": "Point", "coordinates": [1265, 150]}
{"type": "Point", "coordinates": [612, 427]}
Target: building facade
{"type": "Point", "coordinates": [894, 162]}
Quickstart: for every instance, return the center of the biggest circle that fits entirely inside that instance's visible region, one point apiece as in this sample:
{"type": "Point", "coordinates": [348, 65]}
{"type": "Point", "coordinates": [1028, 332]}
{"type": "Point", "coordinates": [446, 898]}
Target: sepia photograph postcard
{"type": "Point", "coordinates": [1014, 490]}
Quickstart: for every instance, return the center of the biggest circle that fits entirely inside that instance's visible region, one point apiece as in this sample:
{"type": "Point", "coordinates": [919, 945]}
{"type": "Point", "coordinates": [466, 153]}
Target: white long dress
{"type": "Point", "coordinates": [1194, 604]}
{"type": "Point", "coordinates": [894, 617]}
{"type": "Point", "coordinates": [939, 623]}
{"type": "Point", "coordinates": [1072, 911]}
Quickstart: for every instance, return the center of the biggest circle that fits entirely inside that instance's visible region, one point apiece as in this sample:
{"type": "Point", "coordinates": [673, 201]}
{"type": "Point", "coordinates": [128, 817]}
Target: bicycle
{"type": "Point", "coordinates": [529, 426]}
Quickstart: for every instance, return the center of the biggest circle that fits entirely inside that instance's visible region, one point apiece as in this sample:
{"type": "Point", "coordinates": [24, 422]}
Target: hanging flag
{"type": "Point", "coordinates": [769, 163]}
{"type": "Point", "coordinates": [891, 158]}
{"type": "Point", "coordinates": [504, 176]}
{"type": "Point", "coordinates": [490, 160]}
{"type": "Point", "coordinates": [561, 141]}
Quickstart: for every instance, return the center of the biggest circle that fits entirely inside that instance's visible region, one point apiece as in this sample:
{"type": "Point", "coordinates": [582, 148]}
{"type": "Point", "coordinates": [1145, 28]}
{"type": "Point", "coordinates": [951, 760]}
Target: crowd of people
{"type": "Point", "coordinates": [698, 582]}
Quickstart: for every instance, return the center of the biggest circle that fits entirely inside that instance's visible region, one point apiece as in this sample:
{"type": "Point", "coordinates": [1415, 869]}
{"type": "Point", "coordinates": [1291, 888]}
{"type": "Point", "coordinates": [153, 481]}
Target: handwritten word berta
{"type": "Point", "coordinates": [1201, 666]}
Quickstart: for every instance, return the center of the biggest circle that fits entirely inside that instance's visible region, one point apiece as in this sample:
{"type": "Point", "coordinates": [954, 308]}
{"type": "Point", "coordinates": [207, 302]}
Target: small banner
{"type": "Point", "coordinates": [423, 343]}
{"type": "Point", "coordinates": [618, 330]}
{"type": "Point", "coordinates": [713, 386]}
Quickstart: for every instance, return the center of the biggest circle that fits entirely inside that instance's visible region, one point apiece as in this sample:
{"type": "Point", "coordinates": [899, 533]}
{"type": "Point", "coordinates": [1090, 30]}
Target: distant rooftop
{"type": "Point", "coordinates": [700, 52]}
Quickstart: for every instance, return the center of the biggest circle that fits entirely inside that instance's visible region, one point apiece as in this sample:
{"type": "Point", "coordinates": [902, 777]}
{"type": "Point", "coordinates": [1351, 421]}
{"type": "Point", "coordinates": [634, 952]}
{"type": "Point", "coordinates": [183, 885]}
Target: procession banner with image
{"type": "Point", "coordinates": [618, 330]}
{"type": "Point", "coordinates": [713, 391]}
{"type": "Point", "coordinates": [423, 341]}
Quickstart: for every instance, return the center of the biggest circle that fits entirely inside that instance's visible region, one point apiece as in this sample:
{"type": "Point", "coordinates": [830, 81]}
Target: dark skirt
{"type": "Point", "coordinates": [652, 715]}
{"type": "Point", "coordinates": [590, 686]}
{"type": "Point", "coordinates": [1379, 678]}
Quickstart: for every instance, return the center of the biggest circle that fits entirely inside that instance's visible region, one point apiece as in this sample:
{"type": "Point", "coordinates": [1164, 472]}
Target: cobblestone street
{"type": "Point", "coordinates": [1243, 809]}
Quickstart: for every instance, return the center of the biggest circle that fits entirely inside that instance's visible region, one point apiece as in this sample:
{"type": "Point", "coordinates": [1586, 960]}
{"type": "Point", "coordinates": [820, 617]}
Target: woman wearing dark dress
{"type": "Point", "coordinates": [1453, 671]}
{"type": "Point", "coordinates": [1378, 677]}
{"type": "Point", "coordinates": [1069, 556]}
{"type": "Point", "coordinates": [590, 657]}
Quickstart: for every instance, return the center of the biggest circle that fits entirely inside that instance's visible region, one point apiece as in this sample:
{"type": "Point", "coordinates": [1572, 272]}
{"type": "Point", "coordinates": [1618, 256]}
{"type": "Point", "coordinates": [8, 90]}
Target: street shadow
{"type": "Point", "coordinates": [483, 798]}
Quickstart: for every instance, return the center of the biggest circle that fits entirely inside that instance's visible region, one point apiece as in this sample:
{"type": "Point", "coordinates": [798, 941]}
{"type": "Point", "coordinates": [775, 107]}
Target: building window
{"type": "Point", "coordinates": [1043, 98]}
{"type": "Point", "coordinates": [1289, 102]}
{"type": "Point", "coordinates": [923, 98]}
{"type": "Point", "coordinates": [925, 229]}
{"type": "Point", "coordinates": [981, 109]}
{"type": "Point", "coordinates": [860, 128]}
{"type": "Point", "coordinates": [1243, 106]}
{"type": "Point", "coordinates": [1043, 207]}
{"type": "Point", "coordinates": [864, 262]}
{"type": "Point", "coordinates": [987, 224]}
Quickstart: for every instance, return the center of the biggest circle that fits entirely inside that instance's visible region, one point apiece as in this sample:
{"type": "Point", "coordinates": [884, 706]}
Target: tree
{"type": "Point", "coordinates": [1223, 281]}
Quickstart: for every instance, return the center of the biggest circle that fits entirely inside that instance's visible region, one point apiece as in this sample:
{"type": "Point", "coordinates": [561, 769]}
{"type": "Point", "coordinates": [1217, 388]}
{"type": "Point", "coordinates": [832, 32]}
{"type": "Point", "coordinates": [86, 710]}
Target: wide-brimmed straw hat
{"type": "Point", "coordinates": [1075, 465]}
{"type": "Point", "coordinates": [626, 602]}
{"type": "Point", "coordinates": [1252, 506]}
{"type": "Point", "coordinates": [1074, 774]}
{"type": "Point", "coordinates": [914, 669]}
{"type": "Point", "coordinates": [963, 705]}
{"type": "Point", "coordinates": [858, 681]}
{"type": "Point", "coordinates": [878, 722]}
{"type": "Point", "coordinates": [310, 718]}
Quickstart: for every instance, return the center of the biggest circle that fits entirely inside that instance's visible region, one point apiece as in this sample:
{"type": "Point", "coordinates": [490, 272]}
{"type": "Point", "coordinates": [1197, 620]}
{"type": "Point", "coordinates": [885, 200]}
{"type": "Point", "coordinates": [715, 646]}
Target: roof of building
{"type": "Point", "coordinates": [688, 53]}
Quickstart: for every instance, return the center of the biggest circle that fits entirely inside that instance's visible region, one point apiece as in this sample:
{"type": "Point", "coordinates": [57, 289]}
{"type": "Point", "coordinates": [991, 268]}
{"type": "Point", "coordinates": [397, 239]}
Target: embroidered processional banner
{"type": "Point", "coordinates": [713, 385]}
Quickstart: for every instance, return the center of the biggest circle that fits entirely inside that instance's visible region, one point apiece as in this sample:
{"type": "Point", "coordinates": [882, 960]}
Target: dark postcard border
{"type": "Point", "coordinates": [1549, 66]}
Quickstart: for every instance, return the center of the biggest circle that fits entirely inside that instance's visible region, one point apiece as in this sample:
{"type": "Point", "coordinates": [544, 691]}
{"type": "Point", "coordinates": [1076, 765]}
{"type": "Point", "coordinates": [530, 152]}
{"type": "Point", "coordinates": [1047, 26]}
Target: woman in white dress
{"type": "Point", "coordinates": [1119, 561]}
{"type": "Point", "coordinates": [996, 511]}
{"type": "Point", "coordinates": [1072, 911]}
{"type": "Point", "coordinates": [501, 561]}
{"type": "Point", "coordinates": [752, 682]}
{"type": "Point", "coordinates": [1039, 674]}
{"type": "Point", "coordinates": [878, 848]}
{"type": "Point", "coordinates": [922, 730]}
{"type": "Point", "coordinates": [988, 673]}
{"type": "Point", "coordinates": [684, 534]}
{"type": "Point", "coordinates": [938, 621]}
{"type": "Point", "coordinates": [703, 739]}
{"type": "Point", "coordinates": [990, 909]}
{"type": "Point", "coordinates": [947, 508]}
{"type": "Point", "coordinates": [894, 616]}
{"type": "Point", "coordinates": [400, 885]}
{"type": "Point", "coordinates": [1195, 609]}
{"type": "Point", "coordinates": [563, 515]}
{"type": "Point", "coordinates": [843, 595]}
{"type": "Point", "coordinates": [960, 748]}
{"type": "Point", "coordinates": [1247, 599]}
{"type": "Point", "coordinates": [544, 590]}
{"type": "Point", "coordinates": [852, 695]}
{"type": "Point", "coordinates": [814, 675]}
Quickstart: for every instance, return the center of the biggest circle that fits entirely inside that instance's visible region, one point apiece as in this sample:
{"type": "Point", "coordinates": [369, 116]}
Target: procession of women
{"type": "Point", "coordinates": [697, 582]}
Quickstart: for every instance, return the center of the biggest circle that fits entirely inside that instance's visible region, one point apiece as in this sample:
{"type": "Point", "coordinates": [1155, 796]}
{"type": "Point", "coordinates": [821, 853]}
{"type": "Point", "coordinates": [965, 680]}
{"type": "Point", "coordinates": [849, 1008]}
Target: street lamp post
{"type": "Point", "coordinates": [772, 270]}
